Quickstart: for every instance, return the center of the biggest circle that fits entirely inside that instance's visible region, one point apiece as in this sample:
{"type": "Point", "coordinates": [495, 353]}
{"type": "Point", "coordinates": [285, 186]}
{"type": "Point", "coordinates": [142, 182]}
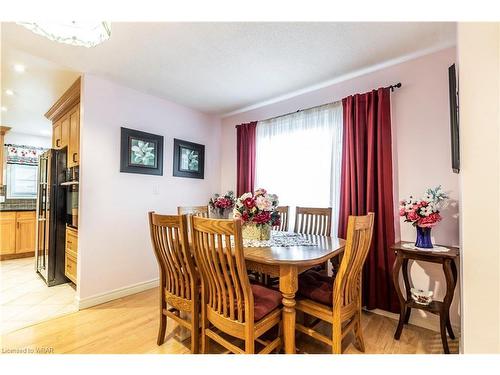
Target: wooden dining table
{"type": "Point", "coordinates": [287, 263]}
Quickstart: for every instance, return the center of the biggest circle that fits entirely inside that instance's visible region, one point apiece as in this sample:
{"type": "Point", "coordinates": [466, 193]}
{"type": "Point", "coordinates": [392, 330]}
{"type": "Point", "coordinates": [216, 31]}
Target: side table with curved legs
{"type": "Point", "coordinates": [441, 308]}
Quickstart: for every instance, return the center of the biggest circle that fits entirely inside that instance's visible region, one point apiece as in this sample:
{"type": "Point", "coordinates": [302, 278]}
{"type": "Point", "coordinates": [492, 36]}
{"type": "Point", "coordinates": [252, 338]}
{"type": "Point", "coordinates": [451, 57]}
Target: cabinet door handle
{"type": "Point", "coordinates": [74, 155]}
{"type": "Point", "coordinates": [57, 142]}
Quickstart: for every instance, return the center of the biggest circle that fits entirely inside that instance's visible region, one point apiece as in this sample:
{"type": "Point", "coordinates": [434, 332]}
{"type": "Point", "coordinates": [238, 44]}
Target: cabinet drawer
{"type": "Point", "coordinates": [71, 240]}
{"type": "Point", "coordinates": [26, 215]}
{"type": "Point", "coordinates": [70, 267]}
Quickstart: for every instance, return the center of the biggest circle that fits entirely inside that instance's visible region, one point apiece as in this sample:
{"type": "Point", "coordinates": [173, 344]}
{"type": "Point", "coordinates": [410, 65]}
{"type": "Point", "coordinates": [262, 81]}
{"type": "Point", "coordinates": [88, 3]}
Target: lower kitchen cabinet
{"type": "Point", "coordinates": [17, 234]}
{"type": "Point", "coordinates": [71, 255]}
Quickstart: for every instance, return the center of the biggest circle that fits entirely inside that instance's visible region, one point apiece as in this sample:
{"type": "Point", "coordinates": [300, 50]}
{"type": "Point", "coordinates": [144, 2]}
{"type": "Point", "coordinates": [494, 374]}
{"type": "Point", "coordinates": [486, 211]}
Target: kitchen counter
{"type": "Point", "coordinates": [16, 209]}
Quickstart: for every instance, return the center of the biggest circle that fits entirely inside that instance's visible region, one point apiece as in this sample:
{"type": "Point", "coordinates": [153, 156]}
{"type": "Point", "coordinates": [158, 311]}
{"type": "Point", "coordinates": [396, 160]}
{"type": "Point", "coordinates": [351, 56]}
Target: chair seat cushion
{"type": "Point", "coordinates": [317, 287]}
{"type": "Point", "coordinates": [265, 300]}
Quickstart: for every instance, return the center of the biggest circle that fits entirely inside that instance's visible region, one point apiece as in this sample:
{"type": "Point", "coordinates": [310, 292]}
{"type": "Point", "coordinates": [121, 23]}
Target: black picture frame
{"type": "Point", "coordinates": [126, 165]}
{"type": "Point", "coordinates": [179, 168]}
{"type": "Point", "coordinates": [454, 119]}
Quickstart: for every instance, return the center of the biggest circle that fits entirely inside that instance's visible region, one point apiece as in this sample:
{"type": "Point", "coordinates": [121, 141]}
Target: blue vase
{"type": "Point", "coordinates": [423, 238]}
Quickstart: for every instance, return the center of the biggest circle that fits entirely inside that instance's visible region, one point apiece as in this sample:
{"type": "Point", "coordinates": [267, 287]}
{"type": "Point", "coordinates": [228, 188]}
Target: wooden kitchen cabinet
{"type": "Point", "coordinates": [74, 137]}
{"type": "Point", "coordinates": [65, 117]}
{"type": "Point", "coordinates": [7, 233]}
{"type": "Point", "coordinates": [71, 255]}
{"type": "Point", "coordinates": [17, 234]}
{"type": "Point", "coordinates": [25, 231]}
{"type": "Point", "coordinates": [60, 133]}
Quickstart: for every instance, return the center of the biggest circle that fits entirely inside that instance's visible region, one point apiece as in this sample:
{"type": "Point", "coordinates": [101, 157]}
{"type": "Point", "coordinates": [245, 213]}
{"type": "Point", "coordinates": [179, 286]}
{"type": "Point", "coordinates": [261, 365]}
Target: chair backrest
{"type": "Point", "coordinates": [193, 210]}
{"type": "Point", "coordinates": [225, 282]}
{"type": "Point", "coordinates": [170, 243]}
{"type": "Point", "coordinates": [347, 285]}
{"type": "Point", "coordinates": [284, 212]}
{"type": "Point", "coordinates": [311, 220]}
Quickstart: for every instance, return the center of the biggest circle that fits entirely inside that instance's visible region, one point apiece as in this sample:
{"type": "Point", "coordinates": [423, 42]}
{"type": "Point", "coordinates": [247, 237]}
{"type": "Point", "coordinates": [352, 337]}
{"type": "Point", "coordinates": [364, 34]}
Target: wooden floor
{"type": "Point", "coordinates": [129, 325]}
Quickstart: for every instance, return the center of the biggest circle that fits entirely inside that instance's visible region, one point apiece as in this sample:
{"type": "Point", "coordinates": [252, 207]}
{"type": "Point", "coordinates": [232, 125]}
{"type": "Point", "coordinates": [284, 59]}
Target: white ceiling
{"type": "Point", "coordinates": [221, 67]}
{"type": "Point", "coordinates": [35, 91]}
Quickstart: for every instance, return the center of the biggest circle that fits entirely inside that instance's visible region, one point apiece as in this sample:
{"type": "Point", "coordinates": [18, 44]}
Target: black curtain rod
{"type": "Point", "coordinates": [392, 87]}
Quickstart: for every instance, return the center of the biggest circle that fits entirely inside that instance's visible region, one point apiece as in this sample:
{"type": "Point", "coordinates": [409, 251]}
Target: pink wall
{"type": "Point", "coordinates": [421, 143]}
{"type": "Point", "coordinates": [115, 254]}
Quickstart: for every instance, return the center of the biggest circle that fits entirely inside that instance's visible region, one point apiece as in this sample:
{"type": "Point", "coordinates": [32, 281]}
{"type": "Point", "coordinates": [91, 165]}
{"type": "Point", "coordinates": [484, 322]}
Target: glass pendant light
{"type": "Point", "coordinates": [85, 34]}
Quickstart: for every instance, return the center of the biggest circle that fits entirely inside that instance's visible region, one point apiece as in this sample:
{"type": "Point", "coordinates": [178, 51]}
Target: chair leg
{"type": "Point", "coordinates": [162, 329]}
{"type": "Point", "coordinates": [249, 339]}
{"type": "Point", "coordinates": [336, 338]}
{"type": "Point", "coordinates": [195, 330]}
{"type": "Point", "coordinates": [280, 335]}
{"type": "Point", "coordinates": [358, 334]}
{"type": "Point", "coordinates": [203, 338]}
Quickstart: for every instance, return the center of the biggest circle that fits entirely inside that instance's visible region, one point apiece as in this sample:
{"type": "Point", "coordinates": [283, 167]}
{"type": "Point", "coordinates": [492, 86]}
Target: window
{"type": "Point", "coordinates": [21, 181]}
{"type": "Point", "coordinates": [298, 157]}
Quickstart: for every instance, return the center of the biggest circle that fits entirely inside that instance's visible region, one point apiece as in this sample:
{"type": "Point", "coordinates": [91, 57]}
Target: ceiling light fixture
{"type": "Point", "coordinates": [4, 109]}
{"type": "Point", "coordinates": [84, 34]}
{"type": "Point", "coordinates": [9, 92]}
{"type": "Point", "coordinates": [19, 68]}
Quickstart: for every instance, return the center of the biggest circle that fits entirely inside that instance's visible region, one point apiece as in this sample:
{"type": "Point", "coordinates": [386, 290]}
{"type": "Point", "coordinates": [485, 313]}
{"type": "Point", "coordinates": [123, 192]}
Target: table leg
{"type": "Point", "coordinates": [288, 288]}
{"type": "Point", "coordinates": [455, 275]}
{"type": "Point", "coordinates": [402, 303]}
{"type": "Point", "coordinates": [444, 317]}
{"type": "Point", "coordinates": [406, 280]}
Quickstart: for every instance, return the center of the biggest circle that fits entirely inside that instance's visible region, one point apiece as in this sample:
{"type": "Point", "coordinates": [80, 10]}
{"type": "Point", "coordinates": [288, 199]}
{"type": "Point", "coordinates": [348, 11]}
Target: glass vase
{"type": "Point", "coordinates": [221, 213]}
{"type": "Point", "coordinates": [423, 238]}
{"type": "Point", "coordinates": [252, 231]}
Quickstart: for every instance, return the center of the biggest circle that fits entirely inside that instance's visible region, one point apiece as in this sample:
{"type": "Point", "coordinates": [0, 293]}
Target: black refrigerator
{"type": "Point", "coordinates": [51, 217]}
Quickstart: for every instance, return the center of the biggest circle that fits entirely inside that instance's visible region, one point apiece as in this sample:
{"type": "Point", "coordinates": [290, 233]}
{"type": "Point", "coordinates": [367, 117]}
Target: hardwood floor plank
{"type": "Point", "coordinates": [129, 325]}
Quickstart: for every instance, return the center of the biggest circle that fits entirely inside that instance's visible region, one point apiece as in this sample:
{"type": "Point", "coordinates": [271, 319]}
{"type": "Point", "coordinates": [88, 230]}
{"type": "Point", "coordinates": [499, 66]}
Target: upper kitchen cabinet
{"type": "Point", "coordinates": [74, 136]}
{"type": "Point", "coordinates": [65, 117]}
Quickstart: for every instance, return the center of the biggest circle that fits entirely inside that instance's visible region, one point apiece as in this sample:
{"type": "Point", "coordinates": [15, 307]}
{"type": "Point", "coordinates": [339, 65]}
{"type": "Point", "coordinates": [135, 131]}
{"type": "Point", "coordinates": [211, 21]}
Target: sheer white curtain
{"type": "Point", "coordinates": [298, 157]}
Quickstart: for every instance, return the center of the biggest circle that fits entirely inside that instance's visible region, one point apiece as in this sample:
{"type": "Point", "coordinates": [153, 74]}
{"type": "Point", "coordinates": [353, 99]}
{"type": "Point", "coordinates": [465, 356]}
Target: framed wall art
{"type": "Point", "coordinates": [189, 159]}
{"type": "Point", "coordinates": [141, 152]}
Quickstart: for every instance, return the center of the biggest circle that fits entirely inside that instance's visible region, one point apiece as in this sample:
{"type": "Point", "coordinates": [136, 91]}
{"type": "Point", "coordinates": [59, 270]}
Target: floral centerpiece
{"type": "Point", "coordinates": [423, 214]}
{"type": "Point", "coordinates": [258, 214]}
{"type": "Point", "coordinates": [222, 205]}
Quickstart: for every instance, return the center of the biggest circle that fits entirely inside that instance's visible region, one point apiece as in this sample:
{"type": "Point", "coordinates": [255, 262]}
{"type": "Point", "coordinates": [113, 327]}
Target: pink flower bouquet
{"type": "Point", "coordinates": [423, 212]}
{"type": "Point", "coordinates": [257, 209]}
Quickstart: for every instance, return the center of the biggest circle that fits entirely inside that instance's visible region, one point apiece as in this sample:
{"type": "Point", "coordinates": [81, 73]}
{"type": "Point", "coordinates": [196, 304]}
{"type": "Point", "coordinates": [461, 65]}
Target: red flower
{"type": "Point", "coordinates": [402, 211]}
{"type": "Point", "coordinates": [429, 221]}
{"type": "Point", "coordinates": [262, 217]}
{"type": "Point", "coordinates": [249, 203]}
{"type": "Point", "coordinates": [412, 216]}
{"type": "Point", "coordinates": [277, 222]}
{"type": "Point", "coordinates": [223, 202]}
{"type": "Point", "coordinates": [244, 216]}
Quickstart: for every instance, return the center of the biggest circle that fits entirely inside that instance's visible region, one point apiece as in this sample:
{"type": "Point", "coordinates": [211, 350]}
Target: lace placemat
{"type": "Point", "coordinates": [435, 249]}
{"type": "Point", "coordinates": [280, 239]}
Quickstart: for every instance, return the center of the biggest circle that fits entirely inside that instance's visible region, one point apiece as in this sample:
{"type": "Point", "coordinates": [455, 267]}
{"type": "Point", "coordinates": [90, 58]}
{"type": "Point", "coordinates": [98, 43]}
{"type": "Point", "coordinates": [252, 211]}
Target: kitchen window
{"type": "Point", "coordinates": [21, 181]}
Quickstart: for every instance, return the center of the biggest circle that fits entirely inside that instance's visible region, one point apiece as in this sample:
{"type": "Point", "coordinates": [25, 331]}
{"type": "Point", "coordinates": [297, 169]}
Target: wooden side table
{"type": "Point", "coordinates": [441, 308]}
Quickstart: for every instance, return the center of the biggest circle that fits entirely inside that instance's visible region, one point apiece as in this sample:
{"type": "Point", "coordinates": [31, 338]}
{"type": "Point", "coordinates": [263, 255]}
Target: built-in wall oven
{"type": "Point", "coordinates": [71, 184]}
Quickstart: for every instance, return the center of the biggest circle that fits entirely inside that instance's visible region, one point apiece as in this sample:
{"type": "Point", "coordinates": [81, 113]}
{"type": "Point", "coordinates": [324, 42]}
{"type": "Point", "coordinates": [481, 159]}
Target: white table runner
{"type": "Point", "coordinates": [280, 239]}
{"type": "Point", "coordinates": [435, 249]}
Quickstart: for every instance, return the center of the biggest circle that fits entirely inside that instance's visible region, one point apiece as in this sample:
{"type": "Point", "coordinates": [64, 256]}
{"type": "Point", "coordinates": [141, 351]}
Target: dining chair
{"type": "Point", "coordinates": [179, 280]}
{"type": "Point", "coordinates": [193, 210]}
{"type": "Point", "coordinates": [337, 300]}
{"type": "Point", "coordinates": [312, 220]}
{"type": "Point", "coordinates": [284, 211]}
{"type": "Point", "coordinates": [229, 302]}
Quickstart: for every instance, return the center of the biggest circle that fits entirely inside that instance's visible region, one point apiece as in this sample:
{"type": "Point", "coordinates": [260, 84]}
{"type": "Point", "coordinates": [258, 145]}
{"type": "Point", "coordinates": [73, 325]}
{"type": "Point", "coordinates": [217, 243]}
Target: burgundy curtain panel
{"type": "Point", "coordinates": [366, 186]}
{"type": "Point", "coordinates": [245, 152]}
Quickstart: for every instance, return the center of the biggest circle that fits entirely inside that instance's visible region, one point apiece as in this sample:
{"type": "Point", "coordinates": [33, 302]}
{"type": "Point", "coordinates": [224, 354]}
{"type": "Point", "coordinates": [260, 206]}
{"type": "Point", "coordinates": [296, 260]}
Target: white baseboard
{"type": "Point", "coordinates": [430, 321]}
{"type": "Point", "coordinates": [98, 299]}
